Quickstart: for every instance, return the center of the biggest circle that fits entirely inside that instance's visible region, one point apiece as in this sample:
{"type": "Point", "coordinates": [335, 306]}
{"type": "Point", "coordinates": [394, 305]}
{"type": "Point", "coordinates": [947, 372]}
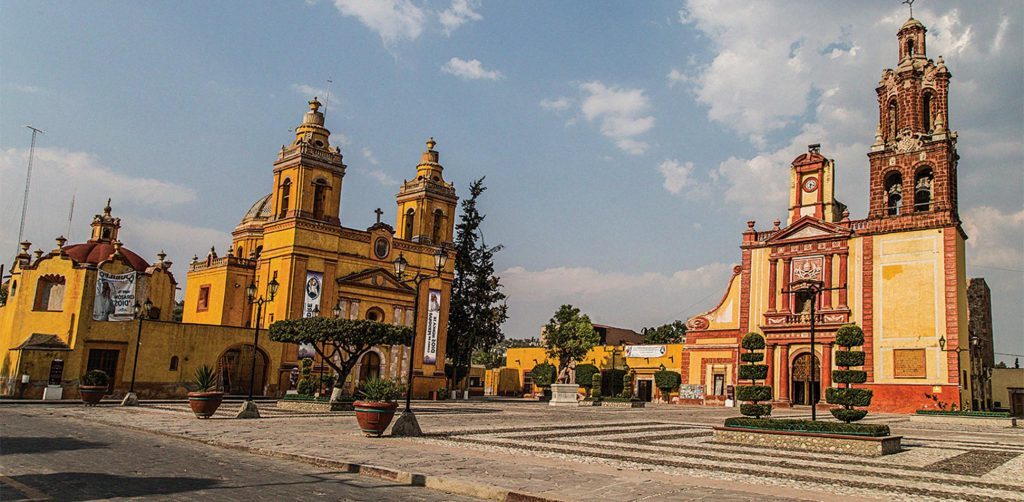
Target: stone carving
{"type": "Point", "coordinates": [908, 143]}
{"type": "Point", "coordinates": [807, 271]}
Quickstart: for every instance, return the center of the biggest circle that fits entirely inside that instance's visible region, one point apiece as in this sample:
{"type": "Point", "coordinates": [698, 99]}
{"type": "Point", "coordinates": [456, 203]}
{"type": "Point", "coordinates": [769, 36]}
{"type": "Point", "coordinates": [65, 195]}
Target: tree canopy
{"type": "Point", "coordinates": [340, 342]}
{"type": "Point", "coordinates": [674, 332]}
{"type": "Point", "coordinates": [569, 335]}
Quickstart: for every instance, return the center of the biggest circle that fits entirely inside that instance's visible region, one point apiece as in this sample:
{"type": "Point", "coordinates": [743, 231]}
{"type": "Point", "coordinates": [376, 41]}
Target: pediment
{"type": "Point", "coordinates": [378, 277]}
{"type": "Point", "coordinates": [810, 228]}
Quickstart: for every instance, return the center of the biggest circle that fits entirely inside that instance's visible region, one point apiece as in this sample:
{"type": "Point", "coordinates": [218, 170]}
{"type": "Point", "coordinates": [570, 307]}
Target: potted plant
{"type": "Point", "coordinates": [376, 405]}
{"type": "Point", "coordinates": [93, 386]}
{"type": "Point", "coordinates": [205, 401]}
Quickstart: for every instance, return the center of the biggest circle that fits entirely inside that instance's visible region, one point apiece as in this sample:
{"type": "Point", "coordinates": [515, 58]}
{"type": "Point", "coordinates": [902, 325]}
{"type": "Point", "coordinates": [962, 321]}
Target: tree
{"type": "Point", "coordinates": [478, 307]}
{"type": "Point", "coordinates": [340, 342]}
{"type": "Point", "coordinates": [1001, 364]}
{"type": "Point", "coordinates": [674, 332]}
{"type": "Point", "coordinates": [568, 336]}
{"type": "Point", "coordinates": [1016, 362]}
{"type": "Point", "coordinates": [753, 371]}
{"type": "Point", "coordinates": [585, 375]}
{"type": "Point", "coordinates": [848, 336]}
{"type": "Point", "coordinates": [667, 381]}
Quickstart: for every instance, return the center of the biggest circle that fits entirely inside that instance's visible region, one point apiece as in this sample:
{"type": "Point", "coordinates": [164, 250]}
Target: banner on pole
{"type": "Point", "coordinates": [433, 319]}
{"type": "Point", "coordinates": [310, 306]}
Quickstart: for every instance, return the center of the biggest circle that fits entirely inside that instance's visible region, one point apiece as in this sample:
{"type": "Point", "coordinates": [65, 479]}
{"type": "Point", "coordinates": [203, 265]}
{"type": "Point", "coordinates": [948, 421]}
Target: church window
{"type": "Point", "coordinates": [926, 112]}
{"type": "Point", "coordinates": [893, 112]}
{"type": "Point", "coordinates": [239, 252]}
{"type": "Point", "coordinates": [370, 366]}
{"type": "Point", "coordinates": [923, 189]}
{"type": "Point", "coordinates": [319, 198]}
{"type": "Point", "coordinates": [435, 236]}
{"type": "Point", "coordinates": [204, 298]}
{"type": "Point", "coordinates": [259, 250]}
{"type": "Point", "coordinates": [174, 364]}
{"type": "Point", "coordinates": [893, 194]}
{"type": "Point", "coordinates": [910, 47]}
{"type": "Point", "coordinates": [408, 223]}
{"type": "Point", "coordinates": [803, 302]}
{"type": "Point", "coordinates": [14, 288]}
{"type": "Point", "coordinates": [286, 193]}
{"type": "Point", "coordinates": [49, 294]}
{"type": "Point", "coordinates": [105, 234]}
{"type": "Point", "coordinates": [375, 314]}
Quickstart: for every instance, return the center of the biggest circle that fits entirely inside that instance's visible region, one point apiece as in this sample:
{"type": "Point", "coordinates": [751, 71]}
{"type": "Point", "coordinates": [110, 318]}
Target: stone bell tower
{"type": "Point", "coordinates": [426, 204]}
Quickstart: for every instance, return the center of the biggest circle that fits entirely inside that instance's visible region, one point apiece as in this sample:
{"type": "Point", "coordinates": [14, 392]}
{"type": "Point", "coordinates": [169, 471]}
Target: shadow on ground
{"type": "Point", "coordinates": [75, 486]}
{"type": "Point", "coordinates": [43, 444]}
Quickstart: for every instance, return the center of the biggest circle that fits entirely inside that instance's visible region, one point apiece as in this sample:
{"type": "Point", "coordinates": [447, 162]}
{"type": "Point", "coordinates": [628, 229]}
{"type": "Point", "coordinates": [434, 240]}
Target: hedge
{"type": "Point", "coordinates": [753, 371]}
{"type": "Point", "coordinates": [849, 358]}
{"type": "Point", "coordinates": [976, 414]}
{"type": "Point", "coordinates": [874, 430]}
{"type": "Point", "coordinates": [753, 393]}
{"type": "Point", "coordinates": [585, 374]}
{"type": "Point", "coordinates": [852, 397]}
{"type": "Point", "coordinates": [751, 357]}
{"type": "Point", "coordinates": [849, 376]}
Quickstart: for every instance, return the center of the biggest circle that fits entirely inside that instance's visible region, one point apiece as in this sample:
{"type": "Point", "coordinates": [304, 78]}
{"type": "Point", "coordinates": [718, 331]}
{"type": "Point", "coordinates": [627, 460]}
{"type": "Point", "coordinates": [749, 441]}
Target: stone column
{"type": "Point", "coordinates": [773, 290]}
{"type": "Point", "coordinates": [784, 373]}
{"type": "Point", "coordinates": [826, 368]}
{"type": "Point", "coordinates": [826, 297]}
{"type": "Point", "coordinates": [769, 360]}
{"type": "Point", "coordinates": [844, 280]}
{"type": "Point", "coordinates": [787, 267]}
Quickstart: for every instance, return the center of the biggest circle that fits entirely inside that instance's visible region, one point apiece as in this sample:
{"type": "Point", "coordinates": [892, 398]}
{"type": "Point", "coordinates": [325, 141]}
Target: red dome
{"type": "Point", "coordinates": [94, 252]}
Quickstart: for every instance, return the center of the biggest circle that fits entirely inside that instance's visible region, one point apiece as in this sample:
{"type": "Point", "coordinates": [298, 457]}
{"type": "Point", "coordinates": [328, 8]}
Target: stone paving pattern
{"type": "Point", "coordinates": [657, 453]}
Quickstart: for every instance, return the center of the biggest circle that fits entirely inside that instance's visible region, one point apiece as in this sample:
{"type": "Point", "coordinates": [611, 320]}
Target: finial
{"type": "Point", "coordinates": [814, 148]}
{"type": "Point", "coordinates": [431, 143]}
{"type": "Point", "coordinates": [775, 224]}
{"type": "Point", "coordinates": [910, 3]}
{"type": "Point", "coordinates": [846, 215]}
{"type": "Point", "coordinates": [39, 253]}
{"type": "Point", "coordinates": [24, 246]}
{"type": "Point", "coordinates": [117, 247]}
{"type": "Point", "coordinates": [195, 259]}
{"type": "Point", "coordinates": [314, 104]}
{"type": "Point", "coordinates": [160, 256]}
{"type": "Point", "coordinates": [106, 209]}
{"type": "Point", "coordinates": [750, 224]}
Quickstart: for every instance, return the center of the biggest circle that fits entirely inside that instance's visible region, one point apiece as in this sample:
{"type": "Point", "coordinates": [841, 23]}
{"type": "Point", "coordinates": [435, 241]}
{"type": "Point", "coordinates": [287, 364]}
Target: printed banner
{"type": "Point", "coordinates": [645, 350]}
{"type": "Point", "coordinates": [314, 290]}
{"type": "Point", "coordinates": [687, 391]}
{"type": "Point", "coordinates": [433, 319]}
{"type": "Point", "coordinates": [115, 297]}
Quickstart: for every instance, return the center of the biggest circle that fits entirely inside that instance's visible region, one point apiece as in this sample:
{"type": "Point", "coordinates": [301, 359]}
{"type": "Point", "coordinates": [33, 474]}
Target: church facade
{"type": "Point", "coordinates": [294, 235]}
{"type": "Point", "coordinates": [899, 273]}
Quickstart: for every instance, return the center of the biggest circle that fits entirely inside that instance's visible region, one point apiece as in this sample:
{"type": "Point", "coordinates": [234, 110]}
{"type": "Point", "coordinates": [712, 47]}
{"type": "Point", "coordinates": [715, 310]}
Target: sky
{"type": "Point", "coordinates": [624, 144]}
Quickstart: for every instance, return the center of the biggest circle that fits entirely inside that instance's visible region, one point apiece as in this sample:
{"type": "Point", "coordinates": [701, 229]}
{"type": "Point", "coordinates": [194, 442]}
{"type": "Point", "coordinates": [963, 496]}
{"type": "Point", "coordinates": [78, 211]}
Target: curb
{"type": "Point", "coordinates": [429, 481]}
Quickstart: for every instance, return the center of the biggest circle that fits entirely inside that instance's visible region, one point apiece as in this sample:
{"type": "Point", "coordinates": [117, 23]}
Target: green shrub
{"type": "Point", "coordinates": [849, 335]}
{"type": "Point", "coordinates": [849, 358]}
{"type": "Point", "coordinates": [753, 341]}
{"type": "Point", "coordinates": [205, 379]}
{"type": "Point", "coordinates": [543, 374]}
{"type": "Point", "coordinates": [776, 424]}
{"type": "Point", "coordinates": [611, 382]}
{"type": "Point", "coordinates": [756, 410]}
{"type": "Point", "coordinates": [751, 357]}
{"type": "Point", "coordinates": [845, 415]}
{"type": "Point", "coordinates": [667, 380]}
{"type": "Point", "coordinates": [326, 381]}
{"type": "Point", "coordinates": [595, 386]}
{"type": "Point", "coordinates": [627, 385]}
{"type": "Point", "coordinates": [753, 371]}
{"type": "Point", "coordinates": [380, 390]}
{"type": "Point", "coordinates": [968, 413]}
{"type": "Point", "coordinates": [753, 393]}
{"type": "Point", "coordinates": [305, 387]}
{"type": "Point", "coordinates": [853, 397]}
{"type": "Point", "coordinates": [585, 375]}
{"type": "Point", "coordinates": [95, 378]}
{"type": "Point", "coordinates": [849, 376]}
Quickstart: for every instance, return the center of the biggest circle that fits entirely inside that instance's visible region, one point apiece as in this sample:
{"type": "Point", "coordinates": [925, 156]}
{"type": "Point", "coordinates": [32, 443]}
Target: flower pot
{"type": "Point", "coordinates": [205, 404]}
{"type": "Point", "coordinates": [91, 394]}
{"type": "Point", "coordinates": [374, 416]}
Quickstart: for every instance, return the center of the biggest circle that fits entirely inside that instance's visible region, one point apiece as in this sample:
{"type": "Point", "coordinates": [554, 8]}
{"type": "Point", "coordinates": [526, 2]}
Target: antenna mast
{"type": "Point", "coordinates": [327, 98]}
{"type": "Point", "coordinates": [28, 179]}
{"type": "Point", "coordinates": [71, 214]}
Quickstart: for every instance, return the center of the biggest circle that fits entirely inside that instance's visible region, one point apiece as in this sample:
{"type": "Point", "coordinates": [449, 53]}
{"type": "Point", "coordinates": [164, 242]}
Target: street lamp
{"type": "Point", "coordinates": [407, 424]}
{"type": "Point", "coordinates": [141, 312]}
{"type": "Point", "coordinates": [815, 288]}
{"type": "Point", "coordinates": [249, 409]}
{"type": "Point", "coordinates": [974, 341]}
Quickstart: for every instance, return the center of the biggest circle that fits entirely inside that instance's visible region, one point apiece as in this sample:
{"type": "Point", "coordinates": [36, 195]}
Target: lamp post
{"type": "Point", "coordinates": [141, 312]}
{"type": "Point", "coordinates": [249, 409]}
{"type": "Point", "coordinates": [973, 343]}
{"type": "Point", "coordinates": [407, 424]}
{"type": "Point", "coordinates": [815, 288]}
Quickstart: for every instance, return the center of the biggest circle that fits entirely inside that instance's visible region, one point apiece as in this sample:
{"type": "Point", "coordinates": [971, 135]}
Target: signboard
{"type": "Point", "coordinates": [115, 297]}
{"type": "Point", "coordinates": [645, 350]}
{"type": "Point", "coordinates": [687, 391]}
{"type": "Point", "coordinates": [56, 372]}
{"type": "Point", "coordinates": [433, 319]}
{"type": "Point", "coordinates": [909, 363]}
{"type": "Point", "coordinates": [311, 302]}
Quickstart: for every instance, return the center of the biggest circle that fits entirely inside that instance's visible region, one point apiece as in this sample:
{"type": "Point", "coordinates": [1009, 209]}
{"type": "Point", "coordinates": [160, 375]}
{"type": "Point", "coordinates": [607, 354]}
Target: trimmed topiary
{"type": "Point", "coordinates": [753, 371]}
{"type": "Point", "coordinates": [627, 385]}
{"type": "Point", "coordinates": [849, 335]}
{"type": "Point", "coordinates": [305, 386]}
{"type": "Point", "coordinates": [595, 386]}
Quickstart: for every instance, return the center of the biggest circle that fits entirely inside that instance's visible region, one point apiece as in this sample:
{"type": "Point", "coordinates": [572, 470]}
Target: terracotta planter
{"type": "Point", "coordinates": [205, 404]}
{"type": "Point", "coordinates": [91, 394]}
{"type": "Point", "coordinates": [374, 416]}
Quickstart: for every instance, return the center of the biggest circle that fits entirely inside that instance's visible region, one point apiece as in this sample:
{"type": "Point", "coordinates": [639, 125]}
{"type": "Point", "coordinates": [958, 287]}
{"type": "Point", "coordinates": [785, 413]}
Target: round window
{"type": "Point", "coordinates": [381, 248]}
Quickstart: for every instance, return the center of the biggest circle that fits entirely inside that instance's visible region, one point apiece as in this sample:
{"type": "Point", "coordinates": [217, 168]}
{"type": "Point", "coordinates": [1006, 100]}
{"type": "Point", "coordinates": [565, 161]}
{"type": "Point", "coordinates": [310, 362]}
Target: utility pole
{"type": "Point", "coordinates": [28, 179]}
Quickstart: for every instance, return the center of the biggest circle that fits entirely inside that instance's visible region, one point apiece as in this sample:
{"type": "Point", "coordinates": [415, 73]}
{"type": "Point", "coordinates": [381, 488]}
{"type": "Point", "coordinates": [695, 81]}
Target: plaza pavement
{"type": "Point", "coordinates": [519, 450]}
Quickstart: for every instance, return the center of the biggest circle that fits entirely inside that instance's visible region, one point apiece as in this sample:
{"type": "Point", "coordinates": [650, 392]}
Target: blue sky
{"type": "Point", "coordinates": [624, 144]}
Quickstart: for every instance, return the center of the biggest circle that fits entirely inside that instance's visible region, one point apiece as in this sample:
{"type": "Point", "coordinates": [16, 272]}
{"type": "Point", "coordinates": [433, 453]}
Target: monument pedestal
{"type": "Point", "coordinates": [564, 394]}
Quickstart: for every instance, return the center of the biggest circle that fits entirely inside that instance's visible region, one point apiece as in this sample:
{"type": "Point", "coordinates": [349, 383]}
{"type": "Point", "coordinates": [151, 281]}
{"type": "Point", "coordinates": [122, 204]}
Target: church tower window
{"type": "Point", "coordinates": [923, 190]}
{"type": "Point", "coordinates": [926, 112]}
{"type": "Point", "coordinates": [435, 235]}
{"type": "Point", "coordinates": [893, 194]}
{"type": "Point", "coordinates": [286, 193]}
{"type": "Point", "coordinates": [893, 120]}
{"type": "Point", "coordinates": [49, 294]}
{"type": "Point", "coordinates": [408, 224]}
{"type": "Point", "coordinates": [910, 47]}
{"type": "Point", "coordinates": [319, 198]}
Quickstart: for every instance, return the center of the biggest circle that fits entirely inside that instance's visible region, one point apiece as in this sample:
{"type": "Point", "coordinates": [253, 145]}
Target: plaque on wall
{"type": "Point", "coordinates": [909, 363]}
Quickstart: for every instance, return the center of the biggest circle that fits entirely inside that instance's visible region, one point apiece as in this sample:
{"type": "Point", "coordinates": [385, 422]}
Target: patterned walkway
{"type": "Point", "coordinates": [928, 468]}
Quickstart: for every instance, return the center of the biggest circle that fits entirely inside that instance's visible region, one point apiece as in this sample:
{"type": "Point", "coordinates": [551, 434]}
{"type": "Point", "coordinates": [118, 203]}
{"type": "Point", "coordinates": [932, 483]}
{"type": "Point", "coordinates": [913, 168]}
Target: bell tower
{"type": "Point", "coordinates": [913, 159]}
{"type": "Point", "coordinates": [308, 173]}
{"type": "Point", "coordinates": [426, 204]}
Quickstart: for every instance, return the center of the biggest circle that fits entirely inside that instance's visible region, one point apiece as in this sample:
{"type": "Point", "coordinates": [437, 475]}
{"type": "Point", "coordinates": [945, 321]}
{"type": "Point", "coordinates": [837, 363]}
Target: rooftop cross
{"type": "Point", "coordinates": [379, 213]}
{"type": "Point", "coordinates": [910, 3]}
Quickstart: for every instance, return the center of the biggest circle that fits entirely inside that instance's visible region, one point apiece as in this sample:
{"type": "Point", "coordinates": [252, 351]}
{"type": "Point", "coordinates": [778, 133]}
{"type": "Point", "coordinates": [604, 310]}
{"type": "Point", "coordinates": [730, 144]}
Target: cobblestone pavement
{"type": "Point", "coordinates": [658, 453]}
{"type": "Point", "coordinates": [51, 457]}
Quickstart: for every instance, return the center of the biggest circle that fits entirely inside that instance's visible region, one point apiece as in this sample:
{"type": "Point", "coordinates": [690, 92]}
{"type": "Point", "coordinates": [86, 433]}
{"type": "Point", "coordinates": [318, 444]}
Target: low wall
{"type": "Point", "coordinates": [806, 441]}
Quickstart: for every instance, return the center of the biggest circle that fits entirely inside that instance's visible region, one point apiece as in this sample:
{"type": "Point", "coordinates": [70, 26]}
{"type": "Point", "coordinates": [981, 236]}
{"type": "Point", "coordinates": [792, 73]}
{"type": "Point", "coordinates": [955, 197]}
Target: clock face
{"type": "Point", "coordinates": [810, 184]}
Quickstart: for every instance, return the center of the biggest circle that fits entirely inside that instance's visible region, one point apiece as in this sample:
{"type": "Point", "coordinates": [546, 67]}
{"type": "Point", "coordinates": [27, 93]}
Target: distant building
{"type": "Point", "coordinates": [979, 327]}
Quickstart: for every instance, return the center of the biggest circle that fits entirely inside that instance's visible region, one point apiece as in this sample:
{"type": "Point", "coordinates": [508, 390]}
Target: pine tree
{"type": "Point", "coordinates": [478, 305]}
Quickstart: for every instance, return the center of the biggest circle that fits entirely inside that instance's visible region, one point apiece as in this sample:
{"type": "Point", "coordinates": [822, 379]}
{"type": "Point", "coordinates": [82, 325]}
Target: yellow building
{"type": "Point", "coordinates": [899, 273]}
{"type": "Point", "coordinates": [295, 235]}
{"type": "Point", "coordinates": [71, 310]}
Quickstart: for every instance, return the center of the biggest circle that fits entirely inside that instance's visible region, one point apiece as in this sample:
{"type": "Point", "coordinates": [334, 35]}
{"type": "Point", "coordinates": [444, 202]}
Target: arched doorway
{"type": "Point", "coordinates": [369, 367]}
{"type": "Point", "coordinates": [236, 369]}
{"type": "Point", "coordinates": [806, 385]}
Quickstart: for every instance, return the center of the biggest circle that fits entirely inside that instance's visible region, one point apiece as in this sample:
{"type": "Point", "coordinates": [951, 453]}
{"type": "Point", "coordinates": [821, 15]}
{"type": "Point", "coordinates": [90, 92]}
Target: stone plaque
{"type": "Point", "coordinates": [909, 363]}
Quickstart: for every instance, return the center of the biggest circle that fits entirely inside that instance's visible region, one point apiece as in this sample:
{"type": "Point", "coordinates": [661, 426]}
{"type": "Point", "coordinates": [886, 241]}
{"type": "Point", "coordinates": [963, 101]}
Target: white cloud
{"type": "Point", "coordinates": [621, 113]}
{"type": "Point", "coordinates": [377, 175]}
{"type": "Point", "coordinates": [368, 155]}
{"type": "Point", "coordinates": [615, 298]}
{"type": "Point", "coordinates": [392, 20]}
{"type": "Point", "coordinates": [29, 89]}
{"type": "Point", "coordinates": [460, 12]}
{"type": "Point", "coordinates": [995, 237]}
{"type": "Point", "coordinates": [469, 70]}
{"type": "Point", "coordinates": [677, 176]}
{"type": "Point", "coordinates": [323, 95]}
{"type": "Point", "coordinates": [561, 104]}
{"type": "Point", "coordinates": [676, 77]}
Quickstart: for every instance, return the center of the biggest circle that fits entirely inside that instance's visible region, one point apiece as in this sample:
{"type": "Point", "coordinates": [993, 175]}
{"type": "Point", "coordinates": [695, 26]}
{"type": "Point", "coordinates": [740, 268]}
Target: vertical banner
{"type": "Point", "coordinates": [314, 290]}
{"type": "Point", "coordinates": [433, 319]}
{"type": "Point", "coordinates": [115, 297]}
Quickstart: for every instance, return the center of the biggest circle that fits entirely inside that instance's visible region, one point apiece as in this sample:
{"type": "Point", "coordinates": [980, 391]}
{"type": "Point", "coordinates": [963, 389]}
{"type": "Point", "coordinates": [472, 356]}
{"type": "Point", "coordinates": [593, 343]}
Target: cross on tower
{"type": "Point", "coordinates": [910, 3]}
{"type": "Point", "coordinates": [379, 213]}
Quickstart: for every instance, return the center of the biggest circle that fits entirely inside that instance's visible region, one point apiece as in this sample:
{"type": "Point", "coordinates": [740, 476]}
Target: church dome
{"type": "Point", "coordinates": [911, 23]}
{"type": "Point", "coordinates": [94, 252]}
{"type": "Point", "coordinates": [260, 211]}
